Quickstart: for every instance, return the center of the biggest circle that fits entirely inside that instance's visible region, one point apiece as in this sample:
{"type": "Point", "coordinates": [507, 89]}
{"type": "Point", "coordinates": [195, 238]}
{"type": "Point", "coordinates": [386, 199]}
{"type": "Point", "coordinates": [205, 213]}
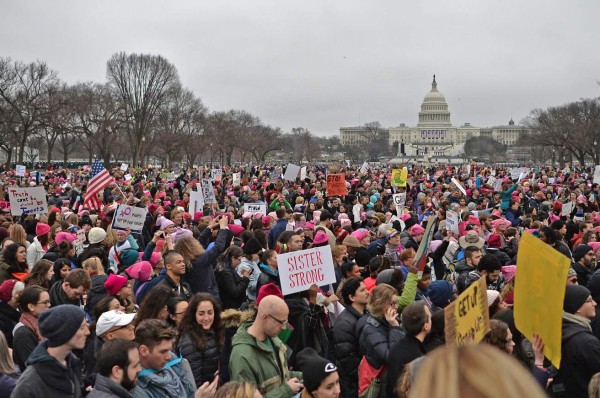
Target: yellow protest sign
{"type": "Point", "coordinates": [468, 318]}
{"type": "Point", "coordinates": [399, 177]}
{"type": "Point", "coordinates": [540, 285]}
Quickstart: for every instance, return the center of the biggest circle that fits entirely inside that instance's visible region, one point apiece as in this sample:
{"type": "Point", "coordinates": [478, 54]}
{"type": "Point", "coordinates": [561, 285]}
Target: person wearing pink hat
{"type": "Point", "coordinates": [416, 235]}
{"type": "Point", "coordinates": [40, 243]}
{"type": "Point", "coordinates": [363, 235]}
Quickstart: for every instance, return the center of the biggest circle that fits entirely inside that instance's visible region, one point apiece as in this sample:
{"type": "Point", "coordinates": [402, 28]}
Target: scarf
{"type": "Point", "coordinates": [578, 320]}
{"type": "Point", "coordinates": [32, 323]}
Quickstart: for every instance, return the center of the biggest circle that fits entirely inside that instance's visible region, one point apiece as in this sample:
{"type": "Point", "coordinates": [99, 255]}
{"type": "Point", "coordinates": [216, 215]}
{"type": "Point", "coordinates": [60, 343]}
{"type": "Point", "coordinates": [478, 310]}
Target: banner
{"type": "Point", "coordinates": [291, 172]}
{"type": "Point", "coordinates": [399, 177]}
{"type": "Point", "coordinates": [468, 318]}
{"type": "Point", "coordinates": [27, 201]}
{"type": "Point", "coordinates": [541, 271]}
{"type": "Point", "coordinates": [399, 201]}
{"type": "Point", "coordinates": [299, 270]}
{"type": "Point", "coordinates": [452, 221]}
{"type": "Point", "coordinates": [208, 192]}
{"type": "Point", "coordinates": [421, 256]}
{"type": "Point", "coordinates": [255, 208]}
{"type": "Point", "coordinates": [336, 185]}
{"type": "Point", "coordinates": [129, 217]}
{"type": "Point", "coordinates": [196, 202]}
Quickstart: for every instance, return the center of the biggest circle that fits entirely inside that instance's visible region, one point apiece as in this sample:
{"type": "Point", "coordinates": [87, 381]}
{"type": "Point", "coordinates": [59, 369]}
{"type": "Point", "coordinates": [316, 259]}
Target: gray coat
{"type": "Point", "coordinates": [106, 388]}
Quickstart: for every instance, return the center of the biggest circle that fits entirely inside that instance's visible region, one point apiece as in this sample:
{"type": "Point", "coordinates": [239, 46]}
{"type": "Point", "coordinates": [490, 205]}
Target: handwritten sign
{"type": "Point", "coordinates": [399, 177]}
{"type": "Point", "coordinates": [541, 271]}
{"type": "Point", "coordinates": [336, 185]}
{"type": "Point", "coordinates": [452, 221]}
{"type": "Point", "coordinates": [196, 202]}
{"type": "Point", "coordinates": [129, 217]}
{"type": "Point", "coordinates": [276, 174]}
{"type": "Point", "coordinates": [208, 192]}
{"type": "Point", "coordinates": [237, 179]}
{"type": "Point", "coordinates": [215, 174]}
{"type": "Point", "coordinates": [4, 205]}
{"type": "Point", "coordinates": [399, 201]}
{"type": "Point", "coordinates": [27, 201]}
{"type": "Point", "coordinates": [255, 208]}
{"type": "Point", "coordinates": [20, 172]}
{"type": "Point", "coordinates": [468, 317]}
{"type": "Point", "coordinates": [300, 270]}
{"type": "Point", "coordinates": [459, 186]}
{"type": "Point", "coordinates": [303, 172]}
{"type": "Point", "coordinates": [291, 172]}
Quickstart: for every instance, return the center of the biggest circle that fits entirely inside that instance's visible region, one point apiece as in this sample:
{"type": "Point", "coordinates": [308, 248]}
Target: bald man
{"type": "Point", "coordinates": [259, 356]}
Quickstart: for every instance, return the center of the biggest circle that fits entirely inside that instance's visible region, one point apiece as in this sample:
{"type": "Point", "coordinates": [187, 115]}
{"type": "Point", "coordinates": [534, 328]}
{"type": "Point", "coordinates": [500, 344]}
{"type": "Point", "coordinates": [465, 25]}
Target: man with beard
{"type": "Point", "coordinates": [118, 364]}
{"type": "Point", "coordinates": [489, 267]}
{"type": "Point", "coordinates": [583, 263]}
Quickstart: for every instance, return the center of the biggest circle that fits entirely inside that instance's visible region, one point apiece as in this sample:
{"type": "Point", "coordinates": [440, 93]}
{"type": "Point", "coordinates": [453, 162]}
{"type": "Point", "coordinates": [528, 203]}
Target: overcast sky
{"type": "Point", "coordinates": [326, 64]}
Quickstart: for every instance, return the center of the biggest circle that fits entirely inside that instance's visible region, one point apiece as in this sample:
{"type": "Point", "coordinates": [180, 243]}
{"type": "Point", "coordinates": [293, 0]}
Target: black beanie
{"type": "Point", "coordinates": [59, 324]}
{"type": "Point", "coordinates": [575, 297]}
{"type": "Point", "coordinates": [581, 251]}
{"type": "Point", "coordinates": [252, 246]}
{"type": "Point", "coordinates": [362, 257]}
{"type": "Point", "coordinates": [314, 368]}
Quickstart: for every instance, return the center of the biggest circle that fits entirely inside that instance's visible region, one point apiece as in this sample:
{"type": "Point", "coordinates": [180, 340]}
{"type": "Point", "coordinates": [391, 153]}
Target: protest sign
{"type": "Point", "coordinates": [196, 202]}
{"type": "Point", "coordinates": [27, 200]}
{"type": "Point", "coordinates": [467, 318]}
{"type": "Point", "coordinates": [215, 174]}
{"type": "Point", "coordinates": [300, 270]}
{"type": "Point", "coordinates": [208, 192]}
{"type": "Point", "coordinates": [79, 241]}
{"type": "Point", "coordinates": [364, 167]}
{"type": "Point", "coordinates": [4, 205]}
{"type": "Point", "coordinates": [399, 201]}
{"type": "Point", "coordinates": [302, 172]}
{"type": "Point", "coordinates": [129, 217]}
{"type": "Point", "coordinates": [124, 166]}
{"type": "Point", "coordinates": [421, 256]}
{"type": "Point", "coordinates": [336, 185]}
{"type": "Point", "coordinates": [491, 181]}
{"type": "Point", "coordinates": [127, 177]}
{"type": "Point", "coordinates": [452, 221]}
{"type": "Point", "coordinates": [170, 176]}
{"type": "Point", "coordinates": [399, 177]}
{"type": "Point", "coordinates": [498, 186]}
{"type": "Point", "coordinates": [237, 179]}
{"type": "Point", "coordinates": [255, 208]}
{"type": "Point", "coordinates": [291, 172]}
{"type": "Point", "coordinates": [567, 208]}
{"type": "Point", "coordinates": [276, 174]}
{"type": "Point", "coordinates": [597, 174]}
{"type": "Point", "coordinates": [459, 186]}
{"type": "Point", "coordinates": [541, 271]}
{"type": "Point", "coordinates": [20, 172]}
{"type": "Point", "coordinates": [312, 176]}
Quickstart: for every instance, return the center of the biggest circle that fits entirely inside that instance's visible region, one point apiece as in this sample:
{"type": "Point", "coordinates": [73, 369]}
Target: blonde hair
{"type": "Point", "coordinates": [236, 389]}
{"type": "Point", "coordinates": [594, 386]}
{"type": "Point", "coordinates": [189, 248]}
{"type": "Point", "coordinates": [93, 266]}
{"type": "Point", "coordinates": [379, 299]}
{"type": "Point", "coordinates": [111, 237]}
{"type": "Point", "coordinates": [18, 235]}
{"type": "Point", "coordinates": [338, 250]}
{"type": "Point", "coordinates": [473, 371]}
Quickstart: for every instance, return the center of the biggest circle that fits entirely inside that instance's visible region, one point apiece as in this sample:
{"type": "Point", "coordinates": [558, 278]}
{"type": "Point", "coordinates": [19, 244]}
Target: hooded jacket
{"type": "Point", "coordinates": [47, 377]}
{"type": "Point", "coordinates": [253, 360]}
{"type": "Point", "coordinates": [106, 388]}
{"type": "Point", "coordinates": [7, 271]}
{"type": "Point", "coordinates": [346, 351]}
{"type": "Point", "coordinates": [203, 362]}
{"type": "Point", "coordinates": [460, 274]}
{"type": "Point", "coordinates": [232, 287]}
{"type": "Point", "coordinates": [158, 384]}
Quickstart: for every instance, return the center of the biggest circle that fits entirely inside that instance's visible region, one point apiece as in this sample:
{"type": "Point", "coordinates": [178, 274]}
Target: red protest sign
{"type": "Point", "coordinates": [336, 185]}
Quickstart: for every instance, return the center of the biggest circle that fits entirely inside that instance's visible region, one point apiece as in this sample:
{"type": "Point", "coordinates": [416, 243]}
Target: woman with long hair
{"type": "Point", "coordinates": [232, 285]}
{"type": "Point", "coordinates": [66, 250]}
{"type": "Point", "coordinates": [13, 263]}
{"type": "Point", "coordinates": [18, 235]}
{"type": "Point", "coordinates": [154, 305]}
{"type": "Point", "coordinates": [8, 372]}
{"type": "Point", "coordinates": [500, 336]}
{"type": "Point", "coordinates": [34, 301]}
{"type": "Point", "coordinates": [62, 268]}
{"type": "Point", "coordinates": [200, 337]}
{"type": "Point", "coordinates": [176, 307]}
{"type": "Point", "coordinates": [41, 274]}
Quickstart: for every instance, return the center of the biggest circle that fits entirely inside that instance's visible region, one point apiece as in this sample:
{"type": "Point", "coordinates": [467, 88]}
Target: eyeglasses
{"type": "Point", "coordinates": [46, 302]}
{"type": "Point", "coordinates": [278, 320]}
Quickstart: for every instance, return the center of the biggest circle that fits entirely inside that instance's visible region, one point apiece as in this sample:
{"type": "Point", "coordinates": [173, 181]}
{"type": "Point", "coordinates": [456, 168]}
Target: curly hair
{"type": "Point", "coordinates": [189, 325]}
{"type": "Point", "coordinates": [189, 248]}
{"type": "Point", "coordinates": [497, 335]}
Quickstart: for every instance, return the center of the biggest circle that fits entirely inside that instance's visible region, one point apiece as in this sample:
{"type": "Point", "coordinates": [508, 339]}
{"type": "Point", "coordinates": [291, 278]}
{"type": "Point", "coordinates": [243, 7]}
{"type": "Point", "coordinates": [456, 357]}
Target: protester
{"type": "Point", "coordinates": [8, 372]}
{"type": "Point", "coordinates": [34, 301]}
{"type": "Point", "coordinates": [10, 295]}
{"type": "Point", "coordinates": [118, 364]}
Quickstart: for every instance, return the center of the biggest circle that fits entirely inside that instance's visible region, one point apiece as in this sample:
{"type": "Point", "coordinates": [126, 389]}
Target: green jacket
{"type": "Point", "coordinates": [276, 205]}
{"type": "Point", "coordinates": [409, 292]}
{"type": "Point", "coordinates": [252, 360]}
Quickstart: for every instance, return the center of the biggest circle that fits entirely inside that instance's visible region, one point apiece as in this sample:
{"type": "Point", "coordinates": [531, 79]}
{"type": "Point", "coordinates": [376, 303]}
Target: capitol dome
{"type": "Point", "coordinates": [434, 109]}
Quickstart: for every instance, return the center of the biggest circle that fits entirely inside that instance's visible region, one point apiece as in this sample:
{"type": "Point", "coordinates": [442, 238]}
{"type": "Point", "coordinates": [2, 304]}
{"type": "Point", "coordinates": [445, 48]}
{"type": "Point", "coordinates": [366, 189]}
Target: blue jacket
{"type": "Point", "coordinates": [276, 231]}
{"type": "Point", "coordinates": [505, 196]}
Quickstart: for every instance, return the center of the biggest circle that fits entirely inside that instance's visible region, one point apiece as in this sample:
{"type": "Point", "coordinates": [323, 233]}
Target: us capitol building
{"type": "Point", "coordinates": [434, 138]}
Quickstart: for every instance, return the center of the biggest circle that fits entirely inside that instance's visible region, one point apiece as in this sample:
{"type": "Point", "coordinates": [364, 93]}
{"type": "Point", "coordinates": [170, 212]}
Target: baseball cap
{"type": "Point", "coordinates": [111, 319]}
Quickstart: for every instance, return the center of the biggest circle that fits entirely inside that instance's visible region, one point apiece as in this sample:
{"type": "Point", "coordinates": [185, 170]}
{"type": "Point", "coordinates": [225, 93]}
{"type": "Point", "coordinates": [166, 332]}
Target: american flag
{"type": "Point", "coordinates": [100, 179]}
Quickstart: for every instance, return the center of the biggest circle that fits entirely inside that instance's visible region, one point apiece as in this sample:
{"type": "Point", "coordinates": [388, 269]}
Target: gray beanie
{"type": "Point", "coordinates": [59, 324]}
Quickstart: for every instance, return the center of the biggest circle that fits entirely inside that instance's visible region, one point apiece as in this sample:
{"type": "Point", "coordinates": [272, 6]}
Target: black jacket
{"type": "Point", "coordinates": [9, 317]}
{"type": "Point", "coordinates": [97, 292]}
{"type": "Point", "coordinates": [403, 352]}
{"type": "Point", "coordinates": [183, 290]}
{"type": "Point", "coordinates": [583, 274]}
{"type": "Point", "coordinates": [232, 288]}
{"type": "Point", "coordinates": [307, 320]}
{"type": "Point", "coordinates": [376, 339]}
{"type": "Point", "coordinates": [346, 351]}
{"type": "Point", "coordinates": [58, 296]}
{"type": "Point", "coordinates": [267, 276]}
{"type": "Point", "coordinates": [204, 362]}
{"type": "Point", "coordinates": [499, 254]}
{"type": "Point", "coordinates": [25, 342]}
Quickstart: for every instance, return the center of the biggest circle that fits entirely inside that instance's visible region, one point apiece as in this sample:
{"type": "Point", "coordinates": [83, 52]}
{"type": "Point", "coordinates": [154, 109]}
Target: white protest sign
{"type": "Point", "coordinates": [208, 191]}
{"type": "Point", "coordinates": [551, 180]}
{"type": "Point", "coordinates": [20, 171]}
{"type": "Point", "coordinates": [124, 166]}
{"type": "Point", "coordinates": [291, 172]}
{"type": "Point", "coordinates": [170, 176]}
{"type": "Point", "coordinates": [399, 201]}
{"type": "Point", "coordinates": [255, 208]}
{"type": "Point", "coordinates": [303, 172]}
{"type": "Point", "coordinates": [364, 167]}
{"type": "Point", "coordinates": [567, 208]}
{"type": "Point", "coordinates": [452, 222]}
{"type": "Point", "coordinates": [129, 217]}
{"type": "Point", "coordinates": [127, 177]}
{"type": "Point", "coordinates": [237, 179]}
{"type": "Point", "coordinates": [216, 174]}
{"type": "Point", "coordinates": [300, 270]}
{"type": "Point", "coordinates": [196, 202]}
{"type": "Point", "coordinates": [597, 174]}
{"type": "Point", "coordinates": [521, 176]}
{"type": "Point", "coordinates": [80, 240]}
{"type": "Point", "coordinates": [498, 185]}
{"type": "Point", "coordinates": [491, 181]}
{"type": "Point", "coordinates": [459, 186]}
{"type": "Point", "coordinates": [27, 201]}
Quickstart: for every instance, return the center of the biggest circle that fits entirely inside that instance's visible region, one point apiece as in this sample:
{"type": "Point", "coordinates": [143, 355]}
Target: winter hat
{"type": "Point", "coordinates": [114, 283]}
{"type": "Point", "coordinates": [471, 238]}
{"type": "Point", "coordinates": [41, 229]}
{"type": "Point", "coordinates": [341, 235]}
{"type": "Point", "coordinates": [581, 251]}
{"type": "Point", "coordinates": [440, 292]}
{"type": "Point", "coordinates": [140, 271]}
{"type": "Point", "coordinates": [594, 245]}
{"type": "Point", "coordinates": [314, 368]}
{"type": "Point", "coordinates": [6, 289]}
{"type": "Point", "coordinates": [128, 257]}
{"type": "Point", "coordinates": [270, 289]}
{"type": "Point", "coordinates": [492, 295]}
{"type": "Point", "coordinates": [164, 223]}
{"type": "Point", "coordinates": [416, 230]}
{"type": "Point", "coordinates": [59, 324]}
{"type": "Point", "coordinates": [391, 233]}
{"type": "Point", "coordinates": [496, 223]}
{"type": "Point", "coordinates": [360, 233]}
{"type": "Point", "coordinates": [266, 221]}
{"type": "Point", "coordinates": [495, 240]}
{"type": "Point", "coordinates": [385, 276]}
{"type": "Point", "coordinates": [572, 272]}
{"type": "Point", "coordinates": [362, 257]}
{"type": "Point", "coordinates": [236, 230]}
{"type": "Point", "coordinates": [64, 237]}
{"type": "Point", "coordinates": [575, 297]}
{"type": "Point", "coordinates": [96, 235]}
{"type": "Point", "coordinates": [351, 241]}
{"type": "Point", "coordinates": [252, 246]}
{"type": "Point", "coordinates": [154, 259]}
{"type": "Point", "coordinates": [508, 272]}
{"type": "Point", "coordinates": [320, 238]}
{"type": "Point", "coordinates": [309, 225]}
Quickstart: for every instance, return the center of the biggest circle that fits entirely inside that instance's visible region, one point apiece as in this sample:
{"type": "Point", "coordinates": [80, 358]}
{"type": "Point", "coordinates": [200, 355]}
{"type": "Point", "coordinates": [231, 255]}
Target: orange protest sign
{"type": "Point", "coordinates": [336, 185]}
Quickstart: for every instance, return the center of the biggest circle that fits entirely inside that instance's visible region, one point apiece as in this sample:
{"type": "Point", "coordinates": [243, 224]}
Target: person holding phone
{"type": "Point", "coordinates": [232, 283]}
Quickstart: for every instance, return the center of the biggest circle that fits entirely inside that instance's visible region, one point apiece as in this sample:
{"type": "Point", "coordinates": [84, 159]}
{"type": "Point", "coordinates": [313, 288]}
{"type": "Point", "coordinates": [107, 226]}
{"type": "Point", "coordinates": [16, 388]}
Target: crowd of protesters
{"type": "Point", "coordinates": [193, 305]}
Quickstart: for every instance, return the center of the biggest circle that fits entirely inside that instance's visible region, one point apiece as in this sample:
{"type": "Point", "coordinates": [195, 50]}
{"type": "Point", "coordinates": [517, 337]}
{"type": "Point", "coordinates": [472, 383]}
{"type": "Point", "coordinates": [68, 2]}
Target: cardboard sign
{"type": "Point", "coordinates": [291, 172]}
{"type": "Point", "coordinates": [498, 186]}
{"type": "Point", "coordinates": [27, 201]}
{"type": "Point", "coordinates": [541, 271]}
{"type": "Point", "coordinates": [303, 172]}
{"type": "Point", "coordinates": [237, 179]}
{"type": "Point", "coordinates": [567, 208]}
{"type": "Point", "coordinates": [468, 318]}
{"type": "Point", "coordinates": [196, 202]}
{"type": "Point", "coordinates": [215, 174]}
{"type": "Point", "coordinates": [208, 192]}
{"type": "Point", "coordinates": [336, 185]}
{"type": "Point", "coordinates": [399, 201]}
{"type": "Point", "coordinates": [129, 217]}
{"type": "Point", "coordinates": [459, 186]}
{"type": "Point", "coordinates": [124, 166]}
{"type": "Point", "coordinates": [399, 177]}
{"type": "Point", "coordinates": [300, 270]}
{"type": "Point", "coordinates": [364, 167]}
{"type": "Point", "coordinates": [452, 221]}
{"type": "Point", "coordinates": [255, 208]}
{"type": "Point", "coordinates": [171, 176]}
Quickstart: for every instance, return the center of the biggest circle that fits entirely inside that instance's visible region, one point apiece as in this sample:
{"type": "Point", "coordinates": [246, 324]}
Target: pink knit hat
{"type": "Point", "coordinates": [416, 230]}
{"type": "Point", "coordinates": [140, 271]}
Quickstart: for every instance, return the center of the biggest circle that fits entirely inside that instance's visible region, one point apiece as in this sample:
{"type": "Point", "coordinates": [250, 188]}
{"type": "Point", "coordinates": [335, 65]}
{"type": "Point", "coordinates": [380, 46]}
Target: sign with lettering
{"type": "Point", "coordinates": [399, 201]}
{"type": "Point", "coordinates": [215, 174]}
{"type": "Point", "coordinates": [20, 172]}
{"type": "Point", "coordinates": [27, 201]}
{"type": "Point", "coordinates": [124, 166]}
{"type": "Point", "coordinates": [208, 192]}
{"type": "Point", "coordinates": [4, 205]}
{"type": "Point", "coordinates": [336, 185]}
{"type": "Point", "coordinates": [300, 270]}
{"type": "Point", "coordinates": [468, 317]}
{"type": "Point", "coordinates": [255, 208]}
{"type": "Point", "coordinates": [196, 202]}
{"type": "Point", "coordinates": [237, 179]}
{"type": "Point", "coordinates": [459, 186]}
{"type": "Point", "coordinates": [129, 217]}
{"type": "Point", "coordinates": [79, 241]}
{"type": "Point", "coordinates": [452, 221]}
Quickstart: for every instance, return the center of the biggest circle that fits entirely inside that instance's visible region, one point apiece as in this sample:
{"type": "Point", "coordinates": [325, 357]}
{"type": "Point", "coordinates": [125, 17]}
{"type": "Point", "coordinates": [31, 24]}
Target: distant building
{"type": "Point", "coordinates": [434, 137]}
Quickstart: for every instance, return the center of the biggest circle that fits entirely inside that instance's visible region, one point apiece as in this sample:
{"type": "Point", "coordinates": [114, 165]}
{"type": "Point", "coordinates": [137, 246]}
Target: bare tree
{"type": "Point", "coordinates": [263, 140]}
